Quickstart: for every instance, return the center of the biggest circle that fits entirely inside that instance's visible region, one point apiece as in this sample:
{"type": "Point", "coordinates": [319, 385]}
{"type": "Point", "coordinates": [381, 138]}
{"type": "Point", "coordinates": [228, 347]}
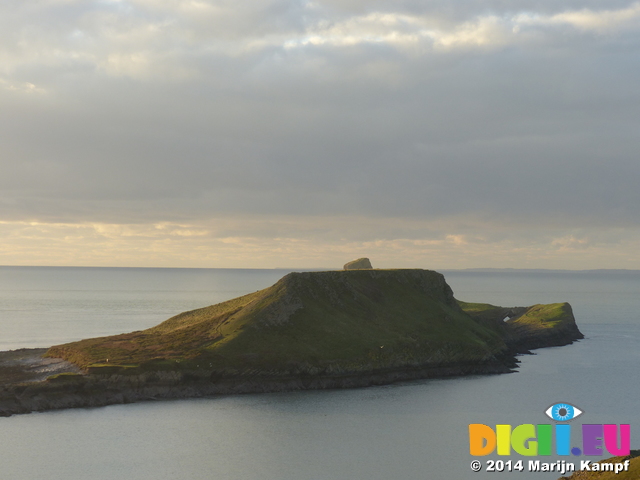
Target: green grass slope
{"type": "Point", "coordinates": [312, 322]}
{"type": "Point", "coordinates": [316, 323]}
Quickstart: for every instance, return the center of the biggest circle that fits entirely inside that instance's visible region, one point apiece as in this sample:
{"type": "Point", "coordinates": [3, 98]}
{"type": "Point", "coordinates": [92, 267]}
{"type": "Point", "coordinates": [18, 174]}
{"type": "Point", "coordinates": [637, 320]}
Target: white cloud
{"type": "Point", "coordinates": [570, 242]}
{"type": "Point", "coordinates": [145, 38]}
{"type": "Point", "coordinates": [612, 21]}
{"type": "Point", "coordinates": [21, 87]}
{"type": "Point", "coordinates": [484, 31]}
{"type": "Point", "coordinates": [600, 21]}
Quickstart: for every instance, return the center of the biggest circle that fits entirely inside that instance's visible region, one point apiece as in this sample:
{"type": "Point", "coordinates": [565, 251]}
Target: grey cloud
{"type": "Point", "coordinates": [543, 128]}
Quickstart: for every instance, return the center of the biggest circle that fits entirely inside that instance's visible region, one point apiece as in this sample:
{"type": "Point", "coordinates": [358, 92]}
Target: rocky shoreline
{"type": "Point", "coordinates": [101, 390]}
{"type": "Point", "coordinates": [30, 365]}
{"type": "Point", "coordinates": [46, 387]}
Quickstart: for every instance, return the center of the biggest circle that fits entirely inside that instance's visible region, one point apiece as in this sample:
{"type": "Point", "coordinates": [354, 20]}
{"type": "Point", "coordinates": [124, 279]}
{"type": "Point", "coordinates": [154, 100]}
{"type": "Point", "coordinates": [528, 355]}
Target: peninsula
{"type": "Point", "coordinates": [310, 330]}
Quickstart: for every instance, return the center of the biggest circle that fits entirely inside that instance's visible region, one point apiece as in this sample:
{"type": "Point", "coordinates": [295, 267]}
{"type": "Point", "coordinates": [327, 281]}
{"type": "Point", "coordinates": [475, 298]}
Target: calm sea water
{"type": "Point", "coordinates": [415, 430]}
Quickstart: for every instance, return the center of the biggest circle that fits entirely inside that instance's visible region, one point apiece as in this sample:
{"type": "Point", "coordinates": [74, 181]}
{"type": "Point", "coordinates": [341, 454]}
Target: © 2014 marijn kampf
{"type": "Point", "coordinates": [532, 440]}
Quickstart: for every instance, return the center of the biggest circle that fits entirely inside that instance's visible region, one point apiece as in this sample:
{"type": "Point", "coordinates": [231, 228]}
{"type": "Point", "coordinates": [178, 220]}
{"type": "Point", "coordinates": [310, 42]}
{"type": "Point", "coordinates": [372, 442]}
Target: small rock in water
{"type": "Point", "coordinates": [359, 264]}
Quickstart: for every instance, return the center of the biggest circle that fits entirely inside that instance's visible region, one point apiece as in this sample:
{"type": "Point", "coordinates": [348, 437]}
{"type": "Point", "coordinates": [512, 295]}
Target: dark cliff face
{"type": "Point", "coordinates": [373, 285]}
{"type": "Point", "coordinates": [309, 330]}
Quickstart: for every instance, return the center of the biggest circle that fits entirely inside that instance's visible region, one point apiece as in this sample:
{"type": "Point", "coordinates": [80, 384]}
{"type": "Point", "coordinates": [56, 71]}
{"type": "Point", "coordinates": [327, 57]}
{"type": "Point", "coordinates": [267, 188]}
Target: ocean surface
{"type": "Point", "coordinates": [414, 430]}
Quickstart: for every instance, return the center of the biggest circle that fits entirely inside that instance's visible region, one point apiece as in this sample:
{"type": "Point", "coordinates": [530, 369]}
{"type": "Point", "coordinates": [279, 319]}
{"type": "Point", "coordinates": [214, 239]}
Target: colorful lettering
{"type": "Point", "coordinates": [530, 440]}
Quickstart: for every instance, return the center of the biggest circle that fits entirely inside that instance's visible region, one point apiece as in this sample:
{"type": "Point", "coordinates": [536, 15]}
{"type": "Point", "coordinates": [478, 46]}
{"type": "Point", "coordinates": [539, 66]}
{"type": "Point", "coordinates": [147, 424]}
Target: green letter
{"type": "Point", "coordinates": [523, 435]}
{"type": "Point", "coordinates": [544, 439]}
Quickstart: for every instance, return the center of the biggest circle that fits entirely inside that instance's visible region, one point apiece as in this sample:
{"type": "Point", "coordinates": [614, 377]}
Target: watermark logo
{"type": "Point", "coordinates": [531, 440]}
{"type": "Point", "coordinates": [546, 439]}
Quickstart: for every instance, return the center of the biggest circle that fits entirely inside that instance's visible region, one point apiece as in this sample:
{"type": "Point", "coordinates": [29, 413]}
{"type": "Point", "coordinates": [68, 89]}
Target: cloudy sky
{"type": "Point", "coordinates": [292, 133]}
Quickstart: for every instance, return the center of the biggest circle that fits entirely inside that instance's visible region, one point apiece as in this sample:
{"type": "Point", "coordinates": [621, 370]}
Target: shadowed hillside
{"type": "Point", "coordinates": [324, 322]}
{"type": "Point", "coordinates": [307, 321]}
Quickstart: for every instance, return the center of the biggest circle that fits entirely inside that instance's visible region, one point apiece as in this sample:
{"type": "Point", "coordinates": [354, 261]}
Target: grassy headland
{"type": "Point", "coordinates": [309, 330]}
{"type": "Point", "coordinates": [354, 320]}
{"type": "Point", "coordinates": [323, 322]}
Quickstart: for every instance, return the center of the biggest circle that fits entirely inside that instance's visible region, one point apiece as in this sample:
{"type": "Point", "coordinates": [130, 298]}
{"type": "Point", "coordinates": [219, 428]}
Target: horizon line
{"type": "Point", "coordinates": [472, 269]}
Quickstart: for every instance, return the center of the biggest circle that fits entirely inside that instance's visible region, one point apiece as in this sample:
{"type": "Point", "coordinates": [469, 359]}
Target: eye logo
{"type": "Point", "coordinates": [563, 412]}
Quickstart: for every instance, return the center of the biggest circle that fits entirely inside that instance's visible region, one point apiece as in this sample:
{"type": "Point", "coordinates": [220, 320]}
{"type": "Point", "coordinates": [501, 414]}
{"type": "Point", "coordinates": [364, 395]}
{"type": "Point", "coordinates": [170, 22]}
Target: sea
{"type": "Point", "coordinates": [414, 430]}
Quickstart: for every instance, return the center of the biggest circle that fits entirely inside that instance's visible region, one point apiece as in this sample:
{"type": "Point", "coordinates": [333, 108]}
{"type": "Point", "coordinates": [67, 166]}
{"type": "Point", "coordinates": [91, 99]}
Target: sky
{"type": "Point", "coordinates": [280, 133]}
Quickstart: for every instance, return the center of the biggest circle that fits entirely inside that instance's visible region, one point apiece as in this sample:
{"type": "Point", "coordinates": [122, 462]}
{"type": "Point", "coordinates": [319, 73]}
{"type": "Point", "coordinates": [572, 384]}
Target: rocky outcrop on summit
{"type": "Point", "coordinates": [359, 264]}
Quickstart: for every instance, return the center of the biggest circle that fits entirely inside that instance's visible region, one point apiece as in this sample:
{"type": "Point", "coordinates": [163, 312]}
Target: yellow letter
{"type": "Point", "coordinates": [503, 433]}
